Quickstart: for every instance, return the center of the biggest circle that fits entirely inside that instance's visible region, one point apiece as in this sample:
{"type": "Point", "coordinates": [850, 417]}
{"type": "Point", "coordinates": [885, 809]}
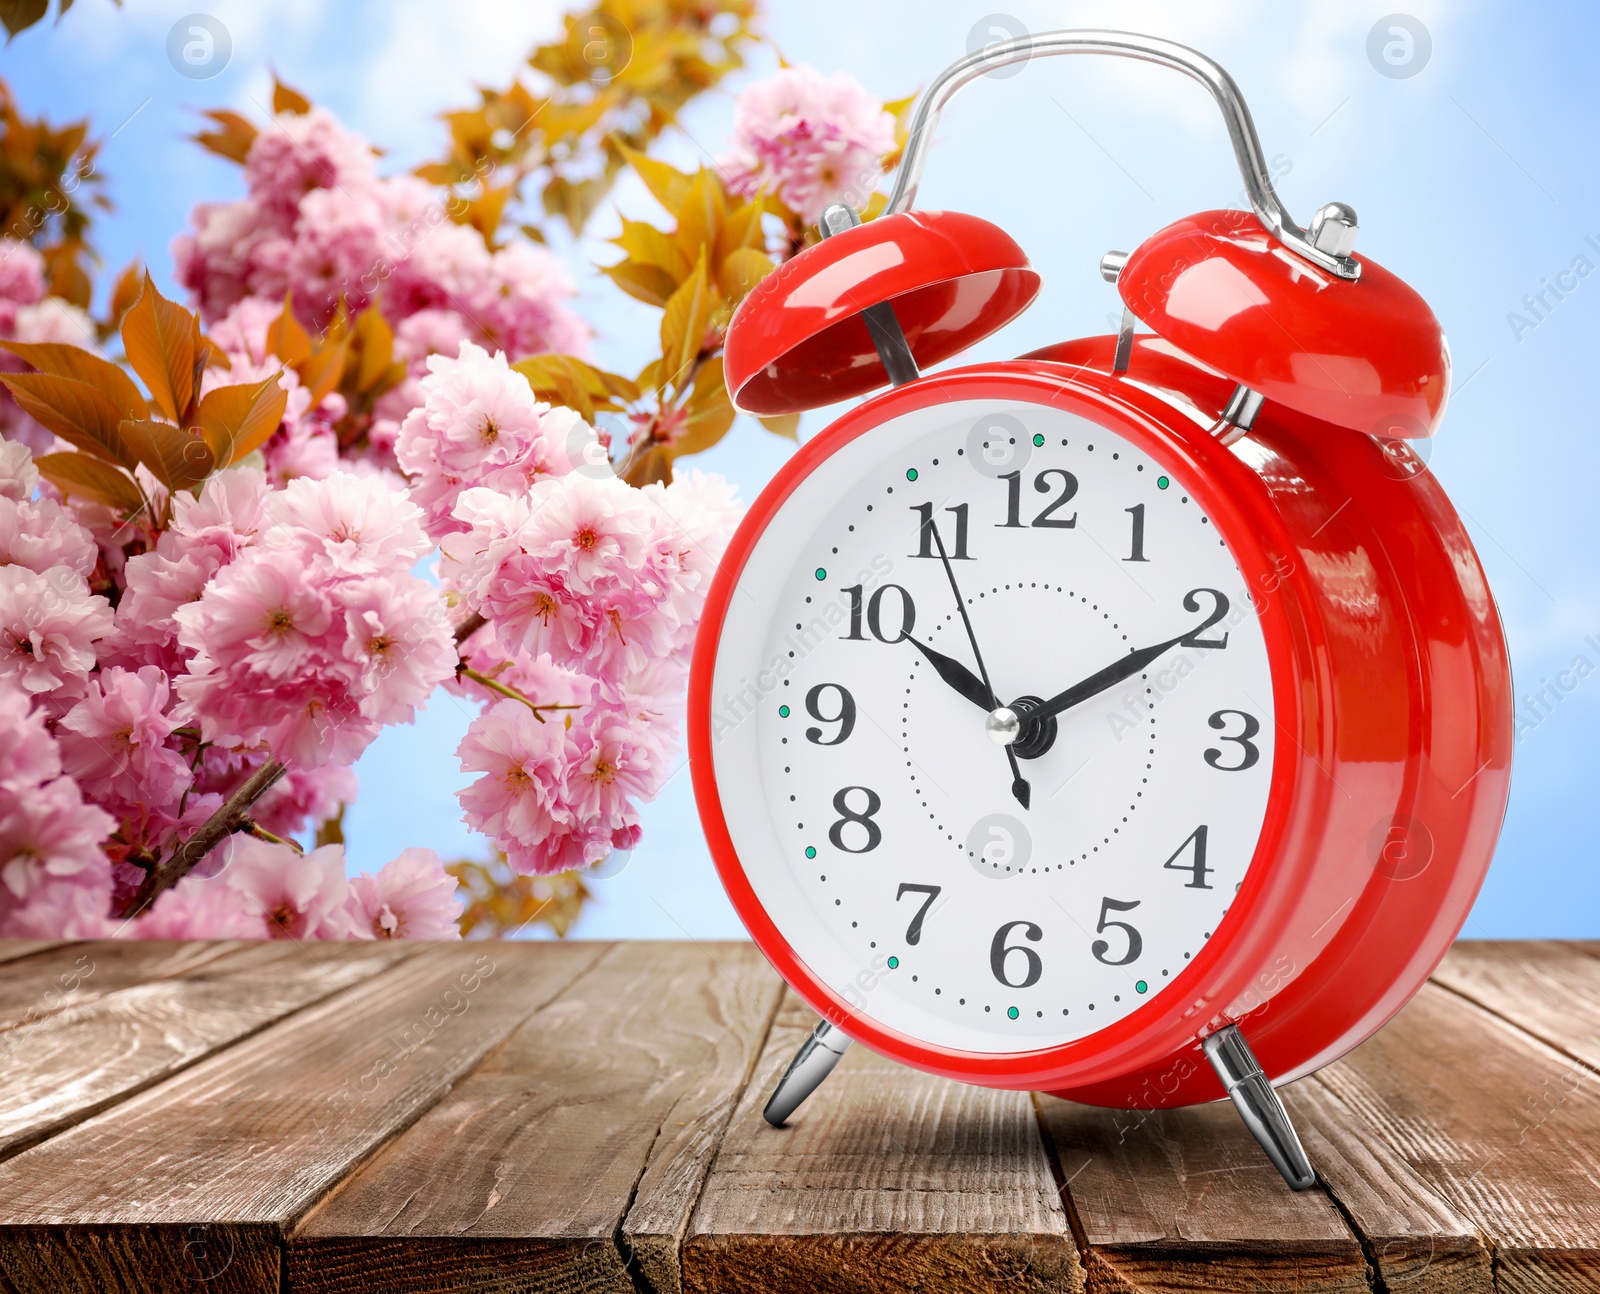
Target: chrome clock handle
{"type": "Point", "coordinates": [1328, 241]}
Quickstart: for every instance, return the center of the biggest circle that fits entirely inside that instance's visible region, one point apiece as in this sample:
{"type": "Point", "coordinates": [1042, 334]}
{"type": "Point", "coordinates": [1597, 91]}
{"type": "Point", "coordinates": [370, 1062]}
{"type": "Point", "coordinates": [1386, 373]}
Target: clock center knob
{"type": "Point", "coordinates": [1003, 726]}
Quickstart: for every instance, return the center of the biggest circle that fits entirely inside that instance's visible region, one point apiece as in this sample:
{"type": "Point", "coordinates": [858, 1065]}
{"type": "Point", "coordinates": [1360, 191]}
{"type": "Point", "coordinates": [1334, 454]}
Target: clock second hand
{"type": "Point", "coordinates": [1019, 784]}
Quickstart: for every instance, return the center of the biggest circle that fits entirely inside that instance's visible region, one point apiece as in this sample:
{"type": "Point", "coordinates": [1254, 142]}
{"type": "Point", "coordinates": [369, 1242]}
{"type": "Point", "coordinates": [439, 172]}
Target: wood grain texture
{"type": "Point", "coordinates": [72, 974]}
{"type": "Point", "coordinates": [244, 1142]}
{"type": "Point", "coordinates": [886, 1179]}
{"type": "Point", "coordinates": [614, 1094]}
{"type": "Point", "coordinates": [12, 949]}
{"type": "Point", "coordinates": [80, 1059]}
{"type": "Point", "coordinates": [1550, 989]}
{"type": "Point", "coordinates": [1411, 1236]}
{"type": "Point", "coordinates": [1502, 1127]}
{"type": "Point", "coordinates": [1185, 1200]}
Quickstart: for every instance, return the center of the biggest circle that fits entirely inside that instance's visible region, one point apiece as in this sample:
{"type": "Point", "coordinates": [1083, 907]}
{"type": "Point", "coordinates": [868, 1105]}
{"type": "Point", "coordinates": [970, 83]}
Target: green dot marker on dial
{"type": "Point", "coordinates": [893, 962]}
{"type": "Point", "coordinates": [783, 712]}
{"type": "Point", "coordinates": [1161, 484]}
{"type": "Point", "coordinates": [822, 574]}
{"type": "Point", "coordinates": [1038, 439]}
{"type": "Point", "coordinates": [1012, 1012]}
{"type": "Point", "coordinates": [1141, 985]}
{"type": "Point", "coordinates": [911, 473]}
{"type": "Point", "coordinates": [811, 851]}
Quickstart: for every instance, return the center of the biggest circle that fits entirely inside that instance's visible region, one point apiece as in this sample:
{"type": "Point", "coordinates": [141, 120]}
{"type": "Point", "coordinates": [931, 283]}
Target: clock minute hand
{"type": "Point", "coordinates": [1099, 681]}
{"type": "Point", "coordinates": [958, 676]}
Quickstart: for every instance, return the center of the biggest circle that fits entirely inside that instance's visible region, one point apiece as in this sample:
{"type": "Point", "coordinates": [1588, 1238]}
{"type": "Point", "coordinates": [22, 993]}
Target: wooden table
{"type": "Point", "coordinates": [586, 1117]}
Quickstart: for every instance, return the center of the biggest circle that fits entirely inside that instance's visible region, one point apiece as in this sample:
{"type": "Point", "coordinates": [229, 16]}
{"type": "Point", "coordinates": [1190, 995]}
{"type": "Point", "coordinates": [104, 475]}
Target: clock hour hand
{"type": "Point", "coordinates": [1099, 681]}
{"type": "Point", "coordinates": [958, 676]}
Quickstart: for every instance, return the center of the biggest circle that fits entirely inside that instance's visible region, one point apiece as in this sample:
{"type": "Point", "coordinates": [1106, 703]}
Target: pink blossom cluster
{"type": "Point", "coordinates": [318, 221]}
{"type": "Point", "coordinates": [317, 635]}
{"type": "Point", "coordinates": [28, 313]}
{"type": "Point", "coordinates": [590, 590]}
{"type": "Point", "coordinates": [270, 891]}
{"type": "Point", "coordinates": [810, 139]}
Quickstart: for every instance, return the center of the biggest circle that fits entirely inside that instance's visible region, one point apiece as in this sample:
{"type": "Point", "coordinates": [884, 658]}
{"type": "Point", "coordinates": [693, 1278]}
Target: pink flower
{"type": "Point", "coordinates": [28, 757]}
{"type": "Point", "coordinates": [198, 909]}
{"type": "Point", "coordinates": [298, 896]}
{"type": "Point", "coordinates": [114, 741]}
{"type": "Point", "coordinates": [229, 515]}
{"type": "Point", "coordinates": [411, 897]}
{"type": "Point", "coordinates": [299, 152]}
{"type": "Point", "coordinates": [21, 273]}
{"type": "Point", "coordinates": [69, 907]}
{"type": "Point", "coordinates": [347, 525]}
{"type": "Point", "coordinates": [40, 534]}
{"type": "Point", "coordinates": [242, 332]}
{"type": "Point", "coordinates": [397, 635]}
{"type": "Point", "coordinates": [518, 800]}
{"type": "Point", "coordinates": [145, 630]}
{"type": "Point", "coordinates": [619, 755]}
{"type": "Point", "coordinates": [430, 332]}
{"type": "Point", "coordinates": [263, 615]}
{"type": "Point", "coordinates": [18, 476]}
{"type": "Point", "coordinates": [814, 140]}
{"type": "Point", "coordinates": [479, 424]}
{"type": "Point", "coordinates": [305, 448]}
{"type": "Point", "coordinates": [49, 624]}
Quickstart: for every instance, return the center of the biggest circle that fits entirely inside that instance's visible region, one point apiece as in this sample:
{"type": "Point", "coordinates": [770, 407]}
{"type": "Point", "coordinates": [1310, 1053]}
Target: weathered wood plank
{"type": "Point", "coordinates": [615, 1093]}
{"type": "Point", "coordinates": [72, 974]}
{"type": "Point", "coordinates": [1501, 1126]}
{"type": "Point", "coordinates": [1550, 989]}
{"type": "Point", "coordinates": [11, 949]}
{"type": "Point", "coordinates": [1413, 1238]}
{"type": "Point", "coordinates": [72, 1063]}
{"type": "Point", "coordinates": [1184, 1199]}
{"type": "Point", "coordinates": [886, 1179]}
{"type": "Point", "coordinates": [241, 1144]}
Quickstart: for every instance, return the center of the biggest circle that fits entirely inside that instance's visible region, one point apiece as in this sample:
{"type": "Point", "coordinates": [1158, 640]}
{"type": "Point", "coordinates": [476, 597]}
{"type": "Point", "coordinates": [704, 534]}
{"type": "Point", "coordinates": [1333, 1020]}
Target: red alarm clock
{"type": "Point", "coordinates": [1132, 720]}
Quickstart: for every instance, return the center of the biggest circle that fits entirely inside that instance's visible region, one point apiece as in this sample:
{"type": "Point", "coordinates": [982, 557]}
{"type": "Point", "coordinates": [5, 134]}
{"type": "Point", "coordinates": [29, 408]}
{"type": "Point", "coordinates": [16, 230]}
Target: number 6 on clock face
{"type": "Point", "coordinates": [873, 817]}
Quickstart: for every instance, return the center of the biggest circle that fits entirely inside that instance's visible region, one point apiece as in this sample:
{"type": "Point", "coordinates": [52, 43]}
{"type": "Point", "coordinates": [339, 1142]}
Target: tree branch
{"type": "Point", "coordinates": [224, 822]}
{"type": "Point", "coordinates": [468, 627]}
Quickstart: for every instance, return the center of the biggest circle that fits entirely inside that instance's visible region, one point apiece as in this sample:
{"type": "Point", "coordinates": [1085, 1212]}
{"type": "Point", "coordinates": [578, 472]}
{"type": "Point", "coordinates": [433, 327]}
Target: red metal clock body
{"type": "Point", "coordinates": [1276, 395]}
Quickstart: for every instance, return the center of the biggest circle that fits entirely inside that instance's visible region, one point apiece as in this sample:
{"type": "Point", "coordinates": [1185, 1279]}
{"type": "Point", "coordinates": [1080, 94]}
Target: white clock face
{"type": "Point", "coordinates": [877, 819]}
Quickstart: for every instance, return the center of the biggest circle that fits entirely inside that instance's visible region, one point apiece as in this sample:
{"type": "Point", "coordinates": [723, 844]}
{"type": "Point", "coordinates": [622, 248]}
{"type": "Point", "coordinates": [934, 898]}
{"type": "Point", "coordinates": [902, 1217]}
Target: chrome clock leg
{"type": "Point", "coordinates": [814, 1061]}
{"type": "Point", "coordinates": [1258, 1104]}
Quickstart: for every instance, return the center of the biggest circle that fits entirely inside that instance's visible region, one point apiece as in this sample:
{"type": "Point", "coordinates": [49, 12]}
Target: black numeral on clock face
{"type": "Point", "coordinates": [1101, 948]}
{"type": "Point", "coordinates": [848, 816]}
{"type": "Point", "coordinates": [1047, 518]}
{"type": "Point", "coordinates": [1219, 608]}
{"type": "Point", "coordinates": [1197, 868]}
{"type": "Point", "coordinates": [846, 718]}
{"type": "Point", "coordinates": [1136, 544]}
{"type": "Point", "coordinates": [930, 893]}
{"type": "Point", "coordinates": [1249, 754]}
{"type": "Point", "coordinates": [927, 545]}
{"type": "Point", "coordinates": [875, 614]}
{"type": "Point", "coordinates": [1000, 952]}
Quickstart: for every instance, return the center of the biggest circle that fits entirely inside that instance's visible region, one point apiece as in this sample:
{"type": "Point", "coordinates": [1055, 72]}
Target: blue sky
{"type": "Point", "coordinates": [1474, 180]}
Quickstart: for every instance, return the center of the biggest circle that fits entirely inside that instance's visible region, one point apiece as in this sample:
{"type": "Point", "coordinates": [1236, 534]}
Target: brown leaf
{"type": "Point", "coordinates": [683, 323]}
{"type": "Point", "coordinates": [741, 271]}
{"type": "Point", "coordinates": [237, 420]}
{"type": "Point", "coordinates": [159, 338]}
{"type": "Point", "coordinates": [87, 477]}
{"type": "Point", "coordinates": [287, 99]}
{"type": "Point", "coordinates": [323, 370]}
{"type": "Point", "coordinates": [741, 227]}
{"type": "Point", "coordinates": [647, 245]}
{"type": "Point", "coordinates": [376, 339]}
{"type": "Point", "coordinates": [668, 185]}
{"type": "Point", "coordinates": [124, 292]}
{"type": "Point", "coordinates": [651, 467]}
{"type": "Point", "coordinates": [19, 15]}
{"type": "Point", "coordinates": [648, 283]}
{"type": "Point", "coordinates": [175, 457]}
{"type": "Point", "coordinates": [285, 337]}
{"type": "Point", "coordinates": [83, 366]}
{"type": "Point", "coordinates": [700, 215]}
{"type": "Point", "coordinates": [233, 138]}
{"type": "Point", "coordinates": [549, 373]}
{"type": "Point", "coordinates": [79, 412]}
{"type": "Point", "coordinates": [786, 425]}
{"type": "Point", "coordinates": [710, 411]}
